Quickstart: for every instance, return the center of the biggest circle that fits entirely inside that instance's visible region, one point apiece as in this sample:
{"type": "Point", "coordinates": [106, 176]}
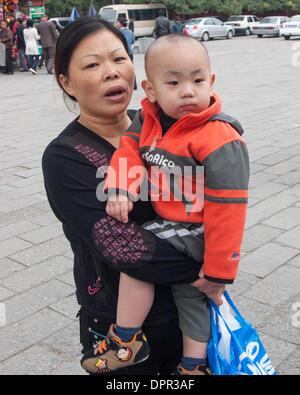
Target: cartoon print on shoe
{"type": "Point", "coordinates": [124, 354]}
{"type": "Point", "coordinates": [113, 354]}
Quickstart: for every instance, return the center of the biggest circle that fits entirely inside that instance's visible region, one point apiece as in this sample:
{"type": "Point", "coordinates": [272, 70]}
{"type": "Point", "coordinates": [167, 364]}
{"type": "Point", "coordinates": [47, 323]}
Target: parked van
{"type": "Point", "coordinates": [143, 16]}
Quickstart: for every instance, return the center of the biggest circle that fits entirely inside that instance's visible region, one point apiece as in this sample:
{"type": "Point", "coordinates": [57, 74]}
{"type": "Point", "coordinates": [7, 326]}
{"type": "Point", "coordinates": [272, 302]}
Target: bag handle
{"type": "Point", "coordinates": [214, 318]}
{"type": "Point", "coordinates": [231, 304]}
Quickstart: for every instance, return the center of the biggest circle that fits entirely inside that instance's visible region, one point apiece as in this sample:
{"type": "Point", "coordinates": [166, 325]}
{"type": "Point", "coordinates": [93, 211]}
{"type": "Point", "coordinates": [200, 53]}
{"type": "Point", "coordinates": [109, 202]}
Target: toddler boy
{"type": "Point", "coordinates": [183, 129]}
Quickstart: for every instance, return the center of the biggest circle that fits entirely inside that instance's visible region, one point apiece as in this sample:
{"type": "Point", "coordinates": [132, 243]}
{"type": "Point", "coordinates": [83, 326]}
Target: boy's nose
{"type": "Point", "coordinates": [187, 91]}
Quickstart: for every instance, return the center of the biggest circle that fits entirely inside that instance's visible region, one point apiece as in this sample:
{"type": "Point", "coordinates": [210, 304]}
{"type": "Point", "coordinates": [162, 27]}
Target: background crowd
{"type": "Point", "coordinates": [31, 45]}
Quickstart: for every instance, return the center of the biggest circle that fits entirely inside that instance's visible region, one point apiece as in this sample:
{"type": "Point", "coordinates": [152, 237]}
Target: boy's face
{"type": "Point", "coordinates": [179, 78]}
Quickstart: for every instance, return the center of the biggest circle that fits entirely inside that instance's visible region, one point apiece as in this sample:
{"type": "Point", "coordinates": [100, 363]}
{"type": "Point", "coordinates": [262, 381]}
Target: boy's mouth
{"type": "Point", "coordinates": [188, 108]}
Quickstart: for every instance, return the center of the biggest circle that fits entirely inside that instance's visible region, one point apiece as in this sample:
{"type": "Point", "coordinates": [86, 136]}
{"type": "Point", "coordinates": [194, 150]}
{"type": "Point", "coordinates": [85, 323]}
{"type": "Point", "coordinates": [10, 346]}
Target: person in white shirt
{"type": "Point", "coordinates": [32, 52]}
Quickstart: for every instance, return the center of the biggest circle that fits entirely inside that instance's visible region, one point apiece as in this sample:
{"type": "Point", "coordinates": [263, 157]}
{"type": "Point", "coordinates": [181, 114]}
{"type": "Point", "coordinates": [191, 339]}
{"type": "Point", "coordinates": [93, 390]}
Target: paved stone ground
{"type": "Point", "coordinates": [259, 82]}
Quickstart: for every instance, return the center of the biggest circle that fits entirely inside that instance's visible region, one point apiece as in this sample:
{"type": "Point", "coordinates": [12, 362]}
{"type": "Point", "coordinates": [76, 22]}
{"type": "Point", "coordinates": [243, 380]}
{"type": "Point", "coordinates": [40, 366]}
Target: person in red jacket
{"type": "Point", "coordinates": [183, 131]}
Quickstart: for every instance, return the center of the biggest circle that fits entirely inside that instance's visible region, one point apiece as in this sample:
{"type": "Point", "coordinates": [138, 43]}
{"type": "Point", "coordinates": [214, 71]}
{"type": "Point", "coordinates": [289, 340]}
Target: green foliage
{"type": "Point", "coordinates": [64, 8]}
{"type": "Point", "coordinates": [182, 7]}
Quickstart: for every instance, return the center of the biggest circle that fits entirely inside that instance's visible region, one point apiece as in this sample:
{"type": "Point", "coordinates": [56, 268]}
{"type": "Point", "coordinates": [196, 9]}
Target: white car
{"type": "Point", "coordinates": [207, 28]}
{"type": "Point", "coordinates": [242, 23]}
{"type": "Point", "coordinates": [269, 26]}
{"type": "Point", "coordinates": [291, 28]}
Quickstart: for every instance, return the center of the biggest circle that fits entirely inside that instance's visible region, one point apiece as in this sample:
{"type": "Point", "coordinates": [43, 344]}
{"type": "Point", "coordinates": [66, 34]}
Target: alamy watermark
{"type": "Point", "coordinates": [165, 184]}
{"type": "Point", "coordinates": [2, 314]}
{"type": "Point", "coordinates": [296, 54]}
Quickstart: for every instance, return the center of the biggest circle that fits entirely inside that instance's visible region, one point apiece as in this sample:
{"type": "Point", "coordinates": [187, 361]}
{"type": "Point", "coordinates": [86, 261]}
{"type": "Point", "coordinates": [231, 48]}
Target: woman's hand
{"type": "Point", "coordinates": [212, 290]}
{"type": "Point", "coordinates": [119, 206]}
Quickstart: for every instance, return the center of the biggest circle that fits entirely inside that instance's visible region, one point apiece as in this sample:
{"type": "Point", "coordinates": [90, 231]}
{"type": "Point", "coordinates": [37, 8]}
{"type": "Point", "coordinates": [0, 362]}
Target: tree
{"type": "Point", "coordinates": [181, 7]}
{"type": "Point", "coordinates": [64, 8]}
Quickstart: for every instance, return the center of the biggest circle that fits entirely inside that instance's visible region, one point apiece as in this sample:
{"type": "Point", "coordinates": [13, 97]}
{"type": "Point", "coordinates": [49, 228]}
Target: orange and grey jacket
{"type": "Point", "coordinates": [211, 140]}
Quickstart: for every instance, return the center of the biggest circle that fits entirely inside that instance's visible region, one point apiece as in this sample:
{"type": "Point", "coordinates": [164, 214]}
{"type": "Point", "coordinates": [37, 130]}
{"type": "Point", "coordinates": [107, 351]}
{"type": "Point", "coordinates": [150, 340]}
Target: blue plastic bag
{"type": "Point", "coordinates": [235, 347]}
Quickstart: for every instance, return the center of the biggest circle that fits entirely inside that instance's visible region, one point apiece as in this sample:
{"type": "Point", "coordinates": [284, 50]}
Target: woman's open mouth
{"type": "Point", "coordinates": [115, 94]}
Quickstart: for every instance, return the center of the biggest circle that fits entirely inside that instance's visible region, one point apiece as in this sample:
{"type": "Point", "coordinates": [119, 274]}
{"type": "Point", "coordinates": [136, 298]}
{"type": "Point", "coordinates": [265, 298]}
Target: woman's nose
{"type": "Point", "coordinates": [110, 73]}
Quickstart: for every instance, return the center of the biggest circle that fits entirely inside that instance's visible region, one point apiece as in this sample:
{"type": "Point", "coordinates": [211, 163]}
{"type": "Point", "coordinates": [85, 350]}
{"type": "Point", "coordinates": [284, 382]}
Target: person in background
{"type": "Point", "coordinates": [177, 27]}
{"type": "Point", "coordinates": [129, 36]}
{"type": "Point", "coordinates": [162, 25]}
{"type": "Point", "coordinates": [56, 26]}
{"type": "Point", "coordinates": [2, 53]}
{"type": "Point", "coordinates": [12, 24]}
{"type": "Point", "coordinates": [131, 24]}
{"type": "Point", "coordinates": [32, 52]}
{"type": "Point", "coordinates": [7, 40]}
{"type": "Point", "coordinates": [21, 44]}
{"type": "Point", "coordinates": [48, 36]}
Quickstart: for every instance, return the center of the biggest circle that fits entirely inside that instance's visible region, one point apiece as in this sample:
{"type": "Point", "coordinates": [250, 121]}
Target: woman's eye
{"type": "Point", "coordinates": [91, 65]}
{"type": "Point", "coordinates": [120, 59]}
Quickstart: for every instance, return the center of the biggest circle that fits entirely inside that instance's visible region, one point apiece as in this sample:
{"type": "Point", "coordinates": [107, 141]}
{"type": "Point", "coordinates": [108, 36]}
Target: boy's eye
{"type": "Point", "coordinates": [199, 80]}
{"type": "Point", "coordinates": [172, 83]}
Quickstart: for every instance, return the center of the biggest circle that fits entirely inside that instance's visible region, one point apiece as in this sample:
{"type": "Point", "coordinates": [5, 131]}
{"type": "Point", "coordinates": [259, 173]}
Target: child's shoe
{"type": "Point", "coordinates": [200, 370]}
{"type": "Point", "coordinates": [112, 354]}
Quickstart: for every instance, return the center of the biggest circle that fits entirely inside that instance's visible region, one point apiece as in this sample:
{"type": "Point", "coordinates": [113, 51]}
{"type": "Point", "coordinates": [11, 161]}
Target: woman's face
{"type": "Point", "coordinates": [100, 76]}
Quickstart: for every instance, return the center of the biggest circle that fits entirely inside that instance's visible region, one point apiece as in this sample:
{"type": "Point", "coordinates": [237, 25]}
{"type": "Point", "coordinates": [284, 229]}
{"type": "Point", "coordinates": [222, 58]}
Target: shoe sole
{"type": "Point", "coordinates": [91, 363]}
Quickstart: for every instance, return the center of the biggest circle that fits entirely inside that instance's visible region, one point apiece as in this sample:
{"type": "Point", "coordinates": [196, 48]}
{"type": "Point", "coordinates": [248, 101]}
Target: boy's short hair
{"type": "Point", "coordinates": [172, 37]}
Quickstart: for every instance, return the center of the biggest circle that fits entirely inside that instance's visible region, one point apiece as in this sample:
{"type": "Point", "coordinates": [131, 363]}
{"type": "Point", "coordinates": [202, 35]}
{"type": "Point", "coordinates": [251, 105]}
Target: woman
{"type": "Point", "coordinates": [7, 40]}
{"type": "Point", "coordinates": [93, 68]}
{"type": "Point", "coordinates": [32, 52]}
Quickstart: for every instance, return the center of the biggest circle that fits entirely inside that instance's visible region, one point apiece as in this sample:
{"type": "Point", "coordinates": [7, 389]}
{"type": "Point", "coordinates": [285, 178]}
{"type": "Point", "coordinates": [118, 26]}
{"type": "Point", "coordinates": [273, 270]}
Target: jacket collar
{"type": "Point", "coordinates": [188, 121]}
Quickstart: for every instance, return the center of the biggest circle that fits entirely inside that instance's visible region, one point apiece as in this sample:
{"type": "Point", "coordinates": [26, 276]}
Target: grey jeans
{"type": "Point", "coordinates": [193, 312]}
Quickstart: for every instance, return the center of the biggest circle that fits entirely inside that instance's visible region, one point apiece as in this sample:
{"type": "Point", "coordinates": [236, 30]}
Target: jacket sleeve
{"type": "Point", "coordinates": [54, 32]}
{"type": "Point", "coordinates": [37, 36]}
{"type": "Point", "coordinates": [71, 183]}
{"type": "Point", "coordinates": [126, 171]}
{"type": "Point", "coordinates": [226, 170]}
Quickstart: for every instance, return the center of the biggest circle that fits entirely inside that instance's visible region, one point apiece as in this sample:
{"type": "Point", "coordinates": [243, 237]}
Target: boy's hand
{"type": "Point", "coordinates": [212, 290]}
{"type": "Point", "coordinates": [119, 206]}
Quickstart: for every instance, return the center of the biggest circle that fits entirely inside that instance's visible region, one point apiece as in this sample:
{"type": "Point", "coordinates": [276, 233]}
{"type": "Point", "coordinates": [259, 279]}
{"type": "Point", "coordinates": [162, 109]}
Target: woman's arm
{"type": "Point", "coordinates": [71, 184]}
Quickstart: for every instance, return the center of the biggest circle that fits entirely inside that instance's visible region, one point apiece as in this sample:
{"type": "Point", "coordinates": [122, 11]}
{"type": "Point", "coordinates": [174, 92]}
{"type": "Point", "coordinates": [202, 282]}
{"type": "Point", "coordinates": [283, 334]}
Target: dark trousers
{"type": "Point", "coordinates": [49, 53]}
{"type": "Point", "coordinates": [165, 343]}
{"type": "Point", "coordinates": [8, 61]}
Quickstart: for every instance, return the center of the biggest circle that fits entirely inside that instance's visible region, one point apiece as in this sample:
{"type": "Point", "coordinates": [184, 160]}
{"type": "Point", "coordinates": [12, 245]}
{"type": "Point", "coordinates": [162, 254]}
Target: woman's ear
{"type": "Point", "coordinates": [148, 88]}
{"type": "Point", "coordinates": [66, 84]}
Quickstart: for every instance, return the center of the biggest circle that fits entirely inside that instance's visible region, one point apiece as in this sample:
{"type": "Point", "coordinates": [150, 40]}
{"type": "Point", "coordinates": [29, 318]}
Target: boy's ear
{"type": "Point", "coordinates": [212, 81]}
{"type": "Point", "coordinates": [148, 88]}
{"type": "Point", "coordinates": [66, 84]}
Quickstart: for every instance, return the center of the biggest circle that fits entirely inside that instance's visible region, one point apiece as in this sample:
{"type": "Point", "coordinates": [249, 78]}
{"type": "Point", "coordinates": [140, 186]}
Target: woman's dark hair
{"type": "Point", "coordinates": [29, 23]}
{"type": "Point", "coordinates": [72, 35]}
